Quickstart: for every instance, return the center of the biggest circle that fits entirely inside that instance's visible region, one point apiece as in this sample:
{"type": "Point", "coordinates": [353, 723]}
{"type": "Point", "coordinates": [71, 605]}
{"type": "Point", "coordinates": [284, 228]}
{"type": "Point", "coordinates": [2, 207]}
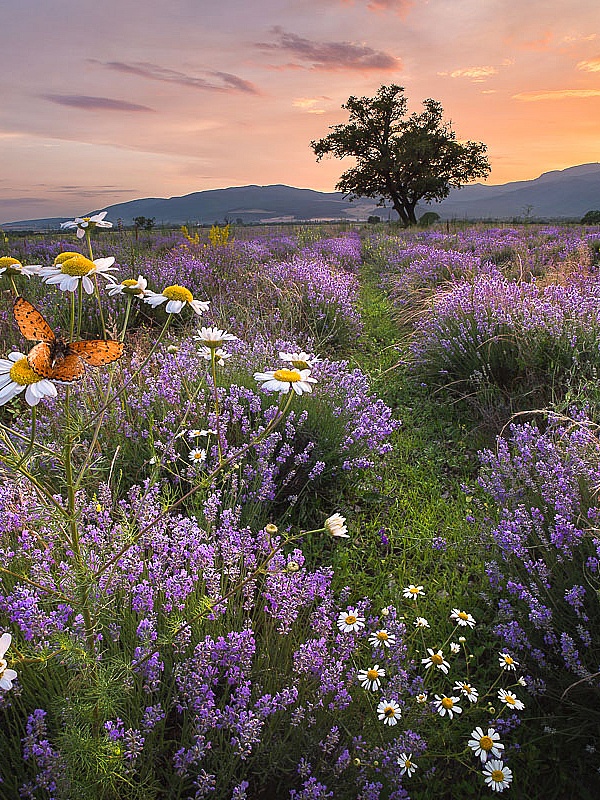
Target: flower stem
{"type": "Point", "coordinates": [213, 369]}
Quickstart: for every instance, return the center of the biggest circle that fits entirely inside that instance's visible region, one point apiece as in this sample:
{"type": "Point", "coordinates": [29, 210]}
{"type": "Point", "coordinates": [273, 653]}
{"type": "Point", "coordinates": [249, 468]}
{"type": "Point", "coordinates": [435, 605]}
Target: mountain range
{"type": "Point", "coordinates": [558, 195]}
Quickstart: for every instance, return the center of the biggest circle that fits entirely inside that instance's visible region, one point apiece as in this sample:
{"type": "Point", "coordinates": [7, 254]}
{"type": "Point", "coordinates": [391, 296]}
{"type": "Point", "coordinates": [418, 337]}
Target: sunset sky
{"type": "Point", "coordinates": [113, 101]}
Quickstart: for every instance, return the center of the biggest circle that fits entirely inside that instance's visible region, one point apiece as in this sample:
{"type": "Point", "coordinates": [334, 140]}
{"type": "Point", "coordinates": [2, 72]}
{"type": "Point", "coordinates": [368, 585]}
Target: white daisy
{"type": "Point", "coordinates": [176, 297]}
{"type": "Point", "coordinates": [470, 692]}
{"type": "Point", "coordinates": [507, 662]}
{"type": "Point", "coordinates": [282, 380]}
{"type": "Point", "coordinates": [7, 676]}
{"type": "Point", "coordinates": [511, 700]}
{"type": "Point", "coordinates": [11, 266]}
{"type": "Point", "coordinates": [521, 681]}
{"type": "Point", "coordinates": [336, 526]}
{"type": "Point", "coordinates": [447, 705]}
{"type": "Point", "coordinates": [486, 745]}
{"type": "Point", "coordinates": [350, 621]}
{"type": "Point", "coordinates": [197, 455]}
{"type": "Point", "coordinates": [300, 360]}
{"type": "Point", "coordinates": [16, 375]}
{"type": "Point", "coordinates": [388, 711]}
{"type": "Point", "coordinates": [87, 223]}
{"type": "Point", "coordinates": [412, 592]}
{"type": "Point", "coordinates": [407, 767]}
{"type": "Point", "coordinates": [436, 660]}
{"type": "Point", "coordinates": [454, 647]}
{"type": "Point", "coordinates": [370, 678]}
{"type": "Point", "coordinates": [214, 337]}
{"type": "Point", "coordinates": [220, 355]}
{"type": "Point", "coordinates": [421, 698]}
{"type": "Point", "coordinates": [497, 776]}
{"type": "Point", "coordinates": [129, 286]}
{"type": "Point", "coordinates": [195, 432]}
{"type": "Point", "coordinates": [462, 618]}
{"type": "Point", "coordinates": [382, 638]}
{"type": "Point", "coordinates": [71, 269]}
{"type": "Point", "coordinates": [421, 622]}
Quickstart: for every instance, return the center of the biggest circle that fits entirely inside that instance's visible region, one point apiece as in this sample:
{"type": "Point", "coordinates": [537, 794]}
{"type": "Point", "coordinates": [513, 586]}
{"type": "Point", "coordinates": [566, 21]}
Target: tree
{"type": "Point", "coordinates": [591, 218]}
{"type": "Point", "coordinates": [398, 157]}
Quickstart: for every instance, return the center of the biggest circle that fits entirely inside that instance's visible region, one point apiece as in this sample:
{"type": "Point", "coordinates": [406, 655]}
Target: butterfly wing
{"type": "Point", "coordinates": [31, 323]}
{"type": "Point", "coordinates": [97, 352]}
{"type": "Point", "coordinates": [66, 368]}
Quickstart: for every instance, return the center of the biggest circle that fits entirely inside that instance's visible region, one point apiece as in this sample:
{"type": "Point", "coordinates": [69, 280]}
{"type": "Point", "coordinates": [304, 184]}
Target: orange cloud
{"type": "Point", "coordinates": [308, 104]}
{"type": "Point", "coordinates": [557, 94]}
{"type": "Point", "coordinates": [474, 73]}
{"type": "Point", "coordinates": [590, 65]}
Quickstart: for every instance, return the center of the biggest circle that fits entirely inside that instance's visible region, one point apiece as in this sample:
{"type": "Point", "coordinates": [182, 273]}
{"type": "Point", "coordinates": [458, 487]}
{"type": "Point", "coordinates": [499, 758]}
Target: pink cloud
{"type": "Point", "coordinates": [88, 103]}
{"type": "Point", "coordinates": [330, 55]}
{"type": "Point", "coordinates": [215, 81]}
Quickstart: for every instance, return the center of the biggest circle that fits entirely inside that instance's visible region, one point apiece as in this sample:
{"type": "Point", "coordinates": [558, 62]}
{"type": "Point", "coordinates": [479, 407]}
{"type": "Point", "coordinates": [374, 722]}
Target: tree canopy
{"type": "Point", "coordinates": [401, 158]}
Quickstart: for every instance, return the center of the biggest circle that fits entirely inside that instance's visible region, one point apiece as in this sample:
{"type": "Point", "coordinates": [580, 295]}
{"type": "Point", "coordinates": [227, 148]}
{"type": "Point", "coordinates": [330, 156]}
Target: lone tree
{"type": "Point", "coordinates": [398, 157]}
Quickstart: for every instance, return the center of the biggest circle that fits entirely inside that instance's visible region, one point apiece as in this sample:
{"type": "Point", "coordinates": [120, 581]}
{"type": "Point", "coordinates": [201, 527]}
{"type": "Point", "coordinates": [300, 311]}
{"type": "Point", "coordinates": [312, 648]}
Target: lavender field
{"type": "Point", "coordinates": [300, 514]}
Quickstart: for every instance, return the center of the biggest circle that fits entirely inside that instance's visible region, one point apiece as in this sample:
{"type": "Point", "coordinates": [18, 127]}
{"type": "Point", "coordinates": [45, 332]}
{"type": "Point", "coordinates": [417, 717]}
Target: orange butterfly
{"type": "Point", "coordinates": [55, 358]}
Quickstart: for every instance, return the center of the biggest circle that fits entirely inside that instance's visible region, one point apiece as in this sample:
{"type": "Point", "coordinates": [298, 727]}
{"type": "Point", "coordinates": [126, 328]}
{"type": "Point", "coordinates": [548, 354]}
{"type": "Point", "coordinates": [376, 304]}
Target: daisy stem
{"type": "Point", "coordinates": [79, 307]}
{"type": "Point", "coordinates": [14, 286]}
{"type": "Point", "coordinates": [213, 369]}
{"type": "Point", "coordinates": [126, 320]}
{"type": "Point", "coordinates": [72, 316]}
{"type": "Point", "coordinates": [74, 530]}
{"type": "Point", "coordinates": [97, 293]}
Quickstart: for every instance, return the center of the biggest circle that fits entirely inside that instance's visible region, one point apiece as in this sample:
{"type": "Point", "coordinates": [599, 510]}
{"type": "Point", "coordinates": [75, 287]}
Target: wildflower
{"type": "Point", "coordinates": [462, 618]}
{"type": "Point", "coordinates": [447, 705]}
{"type": "Point", "coordinates": [497, 775]}
{"type": "Point", "coordinates": [421, 622]}
{"type": "Point", "coordinates": [336, 526]}
{"type": "Point", "coordinates": [350, 621]}
{"type": "Point", "coordinates": [454, 647]}
{"type": "Point", "coordinates": [382, 638]}
{"type": "Point", "coordinates": [521, 681]}
{"type": "Point", "coordinates": [462, 639]}
{"type": "Point", "coordinates": [282, 380]}
{"type": "Point", "coordinates": [176, 298]}
{"type": "Point", "coordinates": [412, 592]}
{"type": "Point", "coordinates": [214, 337]}
{"type": "Point", "coordinates": [16, 375]}
{"type": "Point", "coordinates": [271, 529]}
{"type": "Point", "coordinates": [389, 712]}
{"type": "Point", "coordinates": [507, 662]}
{"type": "Point", "coordinates": [11, 266]}
{"type": "Point", "coordinates": [292, 566]}
{"type": "Point", "coordinates": [300, 360]}
{"type": "Point", "coordinates": [220, 355]}
{"type": "Point", "coordinates": [436, 660]}
{"type": "Point", "coordinates": [407, 767]}
{"type": "Point", "coordinates": [511, 700]}
{"type": "Point", "coordinates": [129, 286]}
{"type": "Point", "coordinates": [69, 270]}
{"type": "Point", "coordinates": [7, 675]}
{"type": "Point", "coordinates": [197, 455]}
{"type": "Point", "coordinates": [195, 432]}
{"type": "Point", "coordinates": [470, 692]}
{"type": "Point", "coordinates": [87, 223]}
{"type": "Point", "coordinates": [486, 745]}
{"type": "Point", "coordinates": [421, 698]}
{"type": "Point", "coordinates": [370, 678]}
{"type": "Point", "coordinates": [385, 611]}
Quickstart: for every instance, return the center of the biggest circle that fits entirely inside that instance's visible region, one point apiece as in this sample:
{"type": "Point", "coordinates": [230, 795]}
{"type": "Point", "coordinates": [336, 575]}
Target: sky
{"type": "Point", "coordinates": [124, 99]}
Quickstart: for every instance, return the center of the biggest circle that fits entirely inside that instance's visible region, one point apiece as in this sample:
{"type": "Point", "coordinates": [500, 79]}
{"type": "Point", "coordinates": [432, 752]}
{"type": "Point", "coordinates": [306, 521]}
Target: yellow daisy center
{"type": "Point", "coordinates": [437, 659]}
{"type": "Point", "coordinates": [131, 286]}
{"type": "Point", "coordinates": [6, 262]}
{"type": "Point", "coordinates": [463, 615]}
{"type": "Point", "coordinates": [299, 364]}
{"type": "Point", "coordinates": [389, 711]}
{"type": "Point", "coordinates": [372, 674]}
{"type": "Point", "coordinates": [3, 666]}
{"type": "Point", "coordinates": [199, 456]}
{"type": "Point", "coordinates": [382, 636]}
{"type": "Point", "coordinates": [486, 743]}
{"type": "Point", "coordinates": [77, 266]}
{"type": "Point", "coordinates": [497, 776]}
{"type": "Point", "coordinates": [447, 702]}
{"type": "Point", "coordinates": [414, 590]}
{"type": "Point", "coordinates": [407, 763]}
{"type": "Point", "coordinates": [509, 699]}
{"type": "Point", "coordinates": [287, 375]}
{"type": "Point", "coordinates": [350, 619]}
{"type": "Point", "coordinates": [178, 293]}
{"type": "Point", "coordinates": [509, 660]}
{"type": "Point", "coordinates": [61, 257]}
{"type": "Point", "coordinates": [22, 373]}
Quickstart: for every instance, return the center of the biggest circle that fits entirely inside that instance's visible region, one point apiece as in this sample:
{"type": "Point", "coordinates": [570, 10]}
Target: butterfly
{"type": "Point", "coordinates": [55, 358]}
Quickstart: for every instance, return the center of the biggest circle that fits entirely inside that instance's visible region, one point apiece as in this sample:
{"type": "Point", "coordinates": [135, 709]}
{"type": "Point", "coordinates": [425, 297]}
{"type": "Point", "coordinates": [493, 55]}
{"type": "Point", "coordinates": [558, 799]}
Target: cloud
{"type": "Point", "coordinates": [590, 65]}
{"type": "Point", "coordinates": [477, 74]}
{"type": "Point", "coordinates": [331, 56]}
{"type": "Point", "coordinates": [556, 94]}
{"type": "Point", "coordinates": [88, 103]}
{"type": "Point", "coordinates": [214, 82]}
{"type": "Point", "coordinates": [401, 7]}
{"type": "Point", "coordinates": [308, 104]}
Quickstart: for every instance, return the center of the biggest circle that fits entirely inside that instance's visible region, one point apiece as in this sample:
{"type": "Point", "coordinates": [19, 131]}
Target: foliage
{"type": "Point", "coordinates": [403, 159]}
{"type": "Point", "coordinates": [591, 218]}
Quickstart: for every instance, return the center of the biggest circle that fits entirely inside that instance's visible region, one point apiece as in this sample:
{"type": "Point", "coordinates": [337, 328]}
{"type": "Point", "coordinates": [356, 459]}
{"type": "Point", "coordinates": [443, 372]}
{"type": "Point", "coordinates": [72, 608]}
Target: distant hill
{"type": "Point", "coordinates": [562, 194]}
